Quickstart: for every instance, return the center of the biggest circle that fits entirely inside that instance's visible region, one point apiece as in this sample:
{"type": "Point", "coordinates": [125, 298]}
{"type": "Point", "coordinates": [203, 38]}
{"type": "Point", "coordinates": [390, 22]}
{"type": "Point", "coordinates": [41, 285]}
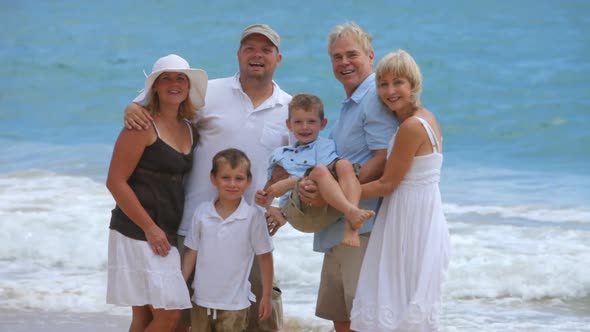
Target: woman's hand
{"type": "Point", "coordinates": [158, 241]}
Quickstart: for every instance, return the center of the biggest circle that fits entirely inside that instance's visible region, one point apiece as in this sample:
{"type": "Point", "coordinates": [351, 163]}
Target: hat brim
{"type": "Point", "coordinates": [198, 86]}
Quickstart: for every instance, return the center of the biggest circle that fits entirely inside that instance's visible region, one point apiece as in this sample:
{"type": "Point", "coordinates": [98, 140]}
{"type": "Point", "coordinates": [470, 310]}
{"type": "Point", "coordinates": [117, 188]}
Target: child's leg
{"type": "Point", "coordinates": [351, 187]}
{"type": "Point", "coordinates": [164, 320]}
{"type": "Point", "coordinates": [343, 195]}
{"type": "Point", "coordinates": [140, 318]}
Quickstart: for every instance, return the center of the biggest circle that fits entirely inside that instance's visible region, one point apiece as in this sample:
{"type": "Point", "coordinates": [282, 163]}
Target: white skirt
{"type": "Point", "coordinates": [137, 276]}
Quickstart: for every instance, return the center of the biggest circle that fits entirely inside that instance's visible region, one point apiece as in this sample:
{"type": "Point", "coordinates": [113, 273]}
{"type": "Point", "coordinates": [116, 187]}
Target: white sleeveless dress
{"type": "Point", "coordinates": [399, 287]}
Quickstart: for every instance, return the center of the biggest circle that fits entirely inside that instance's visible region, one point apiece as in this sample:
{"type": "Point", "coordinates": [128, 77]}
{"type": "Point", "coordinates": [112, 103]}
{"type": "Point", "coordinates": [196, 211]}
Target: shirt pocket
{"type": "Point", "coordinates": [273, 136]}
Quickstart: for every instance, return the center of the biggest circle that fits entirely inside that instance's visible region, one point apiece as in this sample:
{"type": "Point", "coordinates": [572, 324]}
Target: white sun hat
{"type": "Point", "coordinates": [174, 63]}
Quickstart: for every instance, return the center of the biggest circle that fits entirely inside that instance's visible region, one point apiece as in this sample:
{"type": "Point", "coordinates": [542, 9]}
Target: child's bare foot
{"type": "Point", "coordinates": [351, 236]}
{"type": "Point", "coordinates": [357, 217]}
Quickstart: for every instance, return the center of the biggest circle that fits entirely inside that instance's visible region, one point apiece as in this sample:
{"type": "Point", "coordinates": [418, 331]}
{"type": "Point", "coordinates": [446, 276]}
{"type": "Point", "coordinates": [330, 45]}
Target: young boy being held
{"type": "Point", "coordinates": [316, 158]}
{"type": "Point", "coordinates": [225, 235]}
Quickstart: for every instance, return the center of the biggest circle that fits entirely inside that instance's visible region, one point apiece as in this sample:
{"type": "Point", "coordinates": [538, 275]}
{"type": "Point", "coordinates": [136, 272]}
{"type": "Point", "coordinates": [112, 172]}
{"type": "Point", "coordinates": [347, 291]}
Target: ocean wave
{"type": "Point", "coordinates": [530, 212]}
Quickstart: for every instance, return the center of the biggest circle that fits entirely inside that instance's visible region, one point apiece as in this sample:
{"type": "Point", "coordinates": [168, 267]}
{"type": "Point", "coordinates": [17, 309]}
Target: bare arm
{"type": "Point", "coordinates": [265, 262]}
{"type": "Point", "coordinates": [407, 142]}
{"type": "Point", "coordinates": [189, 261]}
{"type": "Point", "coordinates": [373, 168]}
{"type": "Point", "coordinates": [126, 154]}
{"type": "Point", "coordinates": [279, 188]}
{"type": "Point", "coordinates": [262, 197]}
{"type": "Point", "coordinates": [137, 117]}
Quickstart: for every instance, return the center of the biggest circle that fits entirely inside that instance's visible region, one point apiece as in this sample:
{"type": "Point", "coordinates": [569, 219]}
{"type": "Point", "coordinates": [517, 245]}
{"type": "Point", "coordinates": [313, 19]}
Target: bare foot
{"type": "Point", "coordinates": [357, 217]}
{"type": "Point", "coordinates": [351, 236]}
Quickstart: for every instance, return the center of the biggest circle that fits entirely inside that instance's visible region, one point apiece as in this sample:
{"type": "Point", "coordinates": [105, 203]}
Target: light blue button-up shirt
{"type": "Point", "coordinates": [364, 125]}
{"type": "Point", "coordinates": [296, 159]}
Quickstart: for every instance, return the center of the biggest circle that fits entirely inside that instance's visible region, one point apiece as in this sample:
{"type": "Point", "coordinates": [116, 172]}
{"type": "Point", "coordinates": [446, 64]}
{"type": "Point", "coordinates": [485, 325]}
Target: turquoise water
{"type": "Point", "coordinates": [507, 80]}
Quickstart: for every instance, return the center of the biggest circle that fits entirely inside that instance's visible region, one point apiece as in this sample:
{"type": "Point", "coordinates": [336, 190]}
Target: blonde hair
{"type": "Point", "coordinates": [233, 157]}
{"type": "Point", "coordinates": [351, 29]}
{"type": "Point", "coordinates": [186, 110]}
{"type": "Point", "coordinates": [401, 64]}
{"type": "Point", "coordinates": [308, 103]}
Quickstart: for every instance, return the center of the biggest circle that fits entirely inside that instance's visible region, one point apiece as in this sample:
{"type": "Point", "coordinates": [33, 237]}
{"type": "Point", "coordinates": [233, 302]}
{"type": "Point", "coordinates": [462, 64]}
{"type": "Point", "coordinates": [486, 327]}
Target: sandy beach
{"type": "Point", "coordinates": [32, 320]}
{"type": "Point", "coordinates": [21, 321]}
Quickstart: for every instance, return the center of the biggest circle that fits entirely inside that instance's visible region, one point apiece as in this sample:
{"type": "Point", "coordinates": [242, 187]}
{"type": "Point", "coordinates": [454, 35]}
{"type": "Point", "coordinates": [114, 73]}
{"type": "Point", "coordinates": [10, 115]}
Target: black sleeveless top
{"type": "Point", "coordinates": [158, 183]}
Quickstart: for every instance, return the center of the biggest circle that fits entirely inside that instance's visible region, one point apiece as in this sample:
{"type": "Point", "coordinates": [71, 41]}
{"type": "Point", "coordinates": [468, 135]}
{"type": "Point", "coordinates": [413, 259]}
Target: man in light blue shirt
{"type": "Point", "coordinates": [362, 135]}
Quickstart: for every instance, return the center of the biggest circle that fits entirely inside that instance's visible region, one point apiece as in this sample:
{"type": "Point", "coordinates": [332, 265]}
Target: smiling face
{"type": "Point", "coordinates": [231, 182]}
{"type": "Point", "coordinates": [305, 125]}
{"type": "Point", "coordinates": [171, 87]}
{"type": "Point", "coordinates": [396, 93]}
{"type": "Point", "coordinates": [351, 64]}
{"type": "Point", "coordinates": [258, 57]}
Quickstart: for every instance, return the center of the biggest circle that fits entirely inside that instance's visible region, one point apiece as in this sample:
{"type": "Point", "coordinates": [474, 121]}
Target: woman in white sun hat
{"type": "Point", "coordinates": [145, 179]}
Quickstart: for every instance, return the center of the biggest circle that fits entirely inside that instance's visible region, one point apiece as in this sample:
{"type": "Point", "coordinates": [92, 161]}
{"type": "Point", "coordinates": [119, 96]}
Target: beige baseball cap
{"type": "Point", "coordinates": [264, 30]}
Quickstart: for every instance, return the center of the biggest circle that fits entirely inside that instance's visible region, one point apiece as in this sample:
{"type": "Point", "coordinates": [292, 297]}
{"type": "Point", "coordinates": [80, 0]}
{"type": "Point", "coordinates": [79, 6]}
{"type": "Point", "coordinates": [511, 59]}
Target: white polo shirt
{"type": "Point", "coordinates": [229, 120]}
{"type": "Point", "coordinates": [226, 250]}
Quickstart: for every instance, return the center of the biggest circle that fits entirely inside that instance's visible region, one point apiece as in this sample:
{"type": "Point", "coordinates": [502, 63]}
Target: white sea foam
{"type": "Point", "coordinates": [529, 212]}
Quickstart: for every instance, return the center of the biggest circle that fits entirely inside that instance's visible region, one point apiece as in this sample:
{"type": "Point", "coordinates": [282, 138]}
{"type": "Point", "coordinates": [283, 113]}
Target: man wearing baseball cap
{"type": "Point", "coordinates": [246, 111]}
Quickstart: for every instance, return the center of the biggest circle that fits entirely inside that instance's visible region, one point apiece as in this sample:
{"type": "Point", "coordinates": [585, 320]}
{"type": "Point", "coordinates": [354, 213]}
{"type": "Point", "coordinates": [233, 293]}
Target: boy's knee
{"type": "Point", "coordinates": [344, 166]}
{"type": "Point", "coordinates": [319, 170]}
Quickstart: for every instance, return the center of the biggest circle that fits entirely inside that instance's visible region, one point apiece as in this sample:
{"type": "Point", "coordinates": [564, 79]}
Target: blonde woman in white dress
{"type": "Point", "coordinates": [399, 287]}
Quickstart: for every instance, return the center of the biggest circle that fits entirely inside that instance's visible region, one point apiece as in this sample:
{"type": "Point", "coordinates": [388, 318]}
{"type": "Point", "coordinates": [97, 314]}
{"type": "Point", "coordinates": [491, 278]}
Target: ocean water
{"type": "Point", "coordinates": [507, 80]}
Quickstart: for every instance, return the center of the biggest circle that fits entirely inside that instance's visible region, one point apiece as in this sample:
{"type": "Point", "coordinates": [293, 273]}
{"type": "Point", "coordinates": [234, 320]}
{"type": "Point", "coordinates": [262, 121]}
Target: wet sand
{"type": "Point", "coordinates": [34, 320]}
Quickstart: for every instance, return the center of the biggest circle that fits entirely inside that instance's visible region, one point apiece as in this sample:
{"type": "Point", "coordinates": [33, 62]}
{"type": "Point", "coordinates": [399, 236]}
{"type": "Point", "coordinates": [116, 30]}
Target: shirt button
{"type": "Point", "coordinates": [305, 161]}
{"type": "Point", "coordinates": [296, 151]}
{"type": "Point", "coordinates": [291, 159]}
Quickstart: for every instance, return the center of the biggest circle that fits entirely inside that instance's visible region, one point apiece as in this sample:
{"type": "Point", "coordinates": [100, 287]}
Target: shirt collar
{"type": "Point", "coordinates": [362, 89]}
{"type": "Point", "coordinates": [241, 213]}
{"type": "Point", "coordinates": [297, 146]}
{"type": "Point", "coordinates": [277, 97]}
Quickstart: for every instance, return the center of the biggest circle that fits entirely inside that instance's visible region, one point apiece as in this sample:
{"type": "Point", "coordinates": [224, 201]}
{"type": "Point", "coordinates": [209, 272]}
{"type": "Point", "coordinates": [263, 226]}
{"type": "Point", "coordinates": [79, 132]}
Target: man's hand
{"type": "Point", "coordinates": [137, 117]}
{"type": "Point", "coordinates": [309, 192]}
{"type": "Point", "coordinates": [274, 219]}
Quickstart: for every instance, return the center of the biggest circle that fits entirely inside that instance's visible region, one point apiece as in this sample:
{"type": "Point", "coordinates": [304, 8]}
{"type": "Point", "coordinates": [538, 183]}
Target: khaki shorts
{"type": "Point", "coordinates": [311, 219]}
{"type": "Point", "coordinates": [340, 273]}
{"type": "Point", "coordinates": [207, 320]}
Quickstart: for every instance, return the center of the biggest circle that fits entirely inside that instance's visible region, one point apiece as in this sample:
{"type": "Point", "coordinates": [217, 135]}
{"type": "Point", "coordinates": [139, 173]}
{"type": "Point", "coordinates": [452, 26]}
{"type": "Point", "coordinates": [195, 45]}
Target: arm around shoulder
{"type": "Point", "coordinates": [137, 117]}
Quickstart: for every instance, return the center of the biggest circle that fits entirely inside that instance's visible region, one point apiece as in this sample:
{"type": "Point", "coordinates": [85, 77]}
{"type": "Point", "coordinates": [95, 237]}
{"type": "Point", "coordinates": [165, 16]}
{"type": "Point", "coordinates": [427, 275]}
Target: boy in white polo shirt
{"type": "Point", "coordinates": [225, 235]}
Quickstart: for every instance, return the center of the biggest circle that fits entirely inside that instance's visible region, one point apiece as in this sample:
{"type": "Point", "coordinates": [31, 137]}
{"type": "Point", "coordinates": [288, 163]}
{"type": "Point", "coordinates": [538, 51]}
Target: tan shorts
{"type": "Point", "coordinates": [340, 273]}
{"type": "Point", "coordinates": [218, 320]}
{"type": "Point", "coordinates": [311, 219]}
